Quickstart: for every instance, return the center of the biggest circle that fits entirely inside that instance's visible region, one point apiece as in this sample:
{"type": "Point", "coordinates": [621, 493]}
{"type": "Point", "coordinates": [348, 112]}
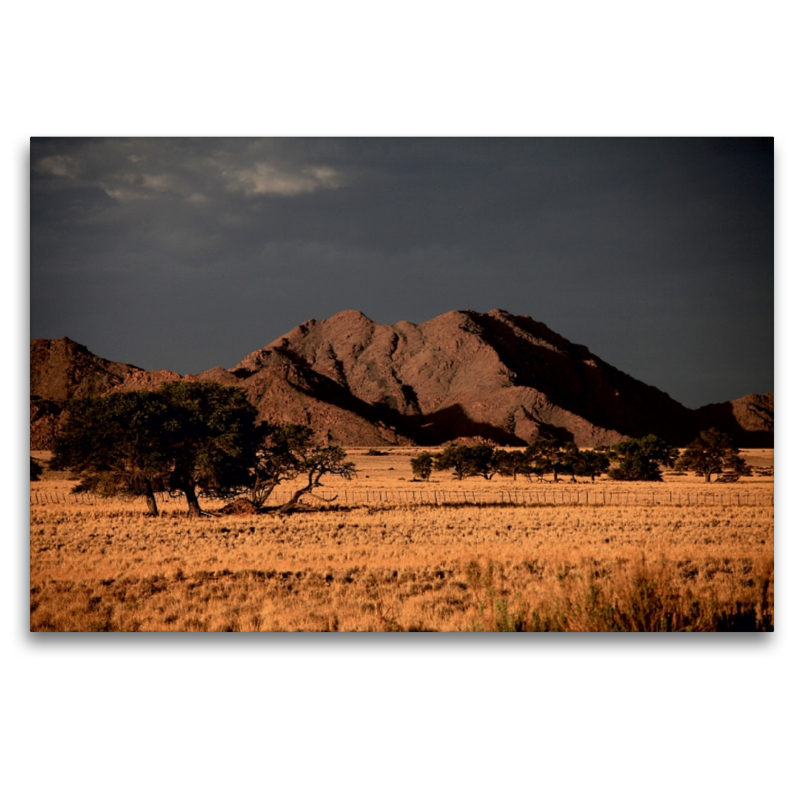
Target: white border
{"type": "Point", "coordinates": [616, 716]}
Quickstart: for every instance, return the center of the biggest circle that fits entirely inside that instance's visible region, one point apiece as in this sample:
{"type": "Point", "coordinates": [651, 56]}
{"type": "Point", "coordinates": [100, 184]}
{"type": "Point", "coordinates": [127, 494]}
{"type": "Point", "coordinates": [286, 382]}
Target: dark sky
{"type": "Point", "coordinates": [190, 253]}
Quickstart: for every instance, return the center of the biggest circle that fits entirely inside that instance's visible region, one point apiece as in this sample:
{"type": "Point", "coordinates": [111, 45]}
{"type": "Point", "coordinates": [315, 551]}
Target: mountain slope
{"type": "Point", "coordinates": [494, 376]}
{"type": "Point", "coordinates": [468, 374]}
{"type": "Point", "coordinates": [62, 369]}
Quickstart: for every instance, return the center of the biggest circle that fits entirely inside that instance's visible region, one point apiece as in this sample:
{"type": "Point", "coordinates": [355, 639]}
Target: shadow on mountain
{"type": "Point", "coordinates": [574, 379]}
{"type": "Point", "coordinates": [451, 423]}
{"type": "Point", "coordinates": [722, 417]}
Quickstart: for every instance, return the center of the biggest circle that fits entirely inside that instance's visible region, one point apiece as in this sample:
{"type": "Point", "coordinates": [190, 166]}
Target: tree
{"type": "Point", "coordinates": [482, 460]}
{"type": "Point", "coordinates": [194, 438]}
{"type": "Point", "coordinates": [36, 469]}
{"type": "Point", "coordinates": [591, 463]}
{"type": "Point", "coordinates": [277, 458]}
{"type": "Point", "coordinates": [288, 452]}
{"type": "Point", "coordinates": [548, 455]}
{"type": "Point", "coordinates": [711, 453]}
{"type": "Point", "coordinates": [455, 457]}
{"type": "Point", "coordinates": [570, 460]}
{"type": "Point", "coordinates": [641, 459]}
{"type": "Point", "coordinates": [512, 463]}
{"type": "Point", "coordinates": [118, 445]}
{"type": "Point", "coordinates": [422, 466]}
{"type": "Point", "coordinates": [212, 439]}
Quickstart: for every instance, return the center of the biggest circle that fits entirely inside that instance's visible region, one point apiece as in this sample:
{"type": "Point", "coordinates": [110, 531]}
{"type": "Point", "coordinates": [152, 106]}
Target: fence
{"type": "Point", "coordinates": [447, 497]}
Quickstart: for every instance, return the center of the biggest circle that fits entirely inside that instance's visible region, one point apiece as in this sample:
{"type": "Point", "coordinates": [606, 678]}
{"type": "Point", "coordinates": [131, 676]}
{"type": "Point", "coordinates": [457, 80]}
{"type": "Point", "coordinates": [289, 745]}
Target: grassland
{"type": "Point", "coordinates": [390, 566]}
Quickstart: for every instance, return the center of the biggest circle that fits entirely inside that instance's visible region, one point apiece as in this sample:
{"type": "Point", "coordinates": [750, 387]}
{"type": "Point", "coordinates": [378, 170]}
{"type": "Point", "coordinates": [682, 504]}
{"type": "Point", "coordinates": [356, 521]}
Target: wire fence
{"type": "Point", "coordinates": [449, 497]}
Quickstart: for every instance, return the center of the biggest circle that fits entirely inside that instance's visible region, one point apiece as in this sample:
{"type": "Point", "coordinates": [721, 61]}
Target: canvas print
{"type": "Point", "coordinates": [401, 385]}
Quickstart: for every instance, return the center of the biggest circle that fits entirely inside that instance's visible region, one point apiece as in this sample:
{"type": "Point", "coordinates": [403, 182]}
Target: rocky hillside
{"type": "Point", "coordinates": [62, 369]}
{"type": "Point", "coordinates": [494, 376]}
{"type": "Point", "coordinates": [749, 420]}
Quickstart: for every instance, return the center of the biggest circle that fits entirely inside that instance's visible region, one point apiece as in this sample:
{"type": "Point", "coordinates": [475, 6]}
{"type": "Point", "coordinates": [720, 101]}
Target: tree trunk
{"type": "Point", "coordinates": [152, 506]}
{"type": "Point", "coordinates": [191, 499]}
{"type": "Point", "coordinates": [295, 498]}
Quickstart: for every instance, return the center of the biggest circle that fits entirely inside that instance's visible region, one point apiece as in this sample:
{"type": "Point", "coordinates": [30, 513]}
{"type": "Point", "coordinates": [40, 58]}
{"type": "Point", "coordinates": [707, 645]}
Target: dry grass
{"type": "Point", "coordinates": [106, 567]}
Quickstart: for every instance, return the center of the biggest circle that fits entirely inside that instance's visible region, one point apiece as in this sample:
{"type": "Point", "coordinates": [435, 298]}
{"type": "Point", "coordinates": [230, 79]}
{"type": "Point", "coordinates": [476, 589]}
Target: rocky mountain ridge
{"type": "Point", "coordinates": [463, 375]}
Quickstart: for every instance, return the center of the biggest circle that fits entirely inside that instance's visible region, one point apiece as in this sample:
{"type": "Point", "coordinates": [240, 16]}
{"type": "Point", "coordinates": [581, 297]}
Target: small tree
{"type": "Point", "coordinates": [711, 453]}
{"type": "Point", "coordinates": [592, 463]}
{"type": "Point", "coordinates": [512, 463]}
{"type": "Point", "coordinates": [570, 460]}
{"type": "Point", "coordinates": [482, 460]}
{"type": "Point", "coordinates": [422, 466]}
{"type": "Point", "coordinates": [641, 459]}
{"type": "Point", "coordinates": [455, 457]}
{"type": "Point", "coordinates": [289, 452]}
{"type": "Point", "coordinates": [547, 455]}
{"type": "Point", "coordinates": [36, 469]}
{"type": "Point", "coordinates": [279, 457]}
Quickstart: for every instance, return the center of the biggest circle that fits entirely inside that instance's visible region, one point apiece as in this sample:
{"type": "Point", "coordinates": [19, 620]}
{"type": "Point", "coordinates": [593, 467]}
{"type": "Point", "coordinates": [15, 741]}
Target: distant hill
{"type": "Point", "coordinates": [463, 375]}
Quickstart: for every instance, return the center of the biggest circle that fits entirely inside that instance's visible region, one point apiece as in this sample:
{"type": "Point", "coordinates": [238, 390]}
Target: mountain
{"type": "Point", "coordinates": [62, 369]}
{"type": "Point", "coordinates": [463, 375]}
{"type": "Point", "coordinates": [748, 420]}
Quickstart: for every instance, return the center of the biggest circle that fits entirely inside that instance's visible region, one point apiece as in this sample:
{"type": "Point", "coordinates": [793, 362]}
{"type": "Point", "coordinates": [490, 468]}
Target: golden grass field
{"type": "Point", "coordinates": [386, 565]}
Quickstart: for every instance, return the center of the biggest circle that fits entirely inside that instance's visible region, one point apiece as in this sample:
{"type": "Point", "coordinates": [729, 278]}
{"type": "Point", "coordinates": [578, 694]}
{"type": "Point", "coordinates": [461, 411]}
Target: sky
{"type": "Point", "coordinates": [185, 254]}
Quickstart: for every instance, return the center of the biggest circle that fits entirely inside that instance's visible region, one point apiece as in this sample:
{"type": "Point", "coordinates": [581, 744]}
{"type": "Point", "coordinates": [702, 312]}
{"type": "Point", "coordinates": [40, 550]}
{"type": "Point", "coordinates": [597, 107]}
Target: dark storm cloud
{"type": "Point", "coordinates": [657, 254]}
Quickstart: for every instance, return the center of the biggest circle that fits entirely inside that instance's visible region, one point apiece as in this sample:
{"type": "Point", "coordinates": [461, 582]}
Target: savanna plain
{"type": "Point", "coordinates": [499, 555]}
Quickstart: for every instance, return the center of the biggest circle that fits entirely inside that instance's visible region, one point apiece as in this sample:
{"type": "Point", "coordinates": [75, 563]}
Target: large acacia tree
{"type": "Point", "coordinates": [194, 438]}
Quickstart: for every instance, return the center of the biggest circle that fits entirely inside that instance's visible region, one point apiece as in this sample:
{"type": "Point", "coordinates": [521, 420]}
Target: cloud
{"type": "Point", "coordinates": [159, 183]}
{"type": "Point", "coordinates": [128, 187]}
{"type": "Point", "coordinates": [60, 166]}
{"type": "Point", "coordinates": [263, 178]}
